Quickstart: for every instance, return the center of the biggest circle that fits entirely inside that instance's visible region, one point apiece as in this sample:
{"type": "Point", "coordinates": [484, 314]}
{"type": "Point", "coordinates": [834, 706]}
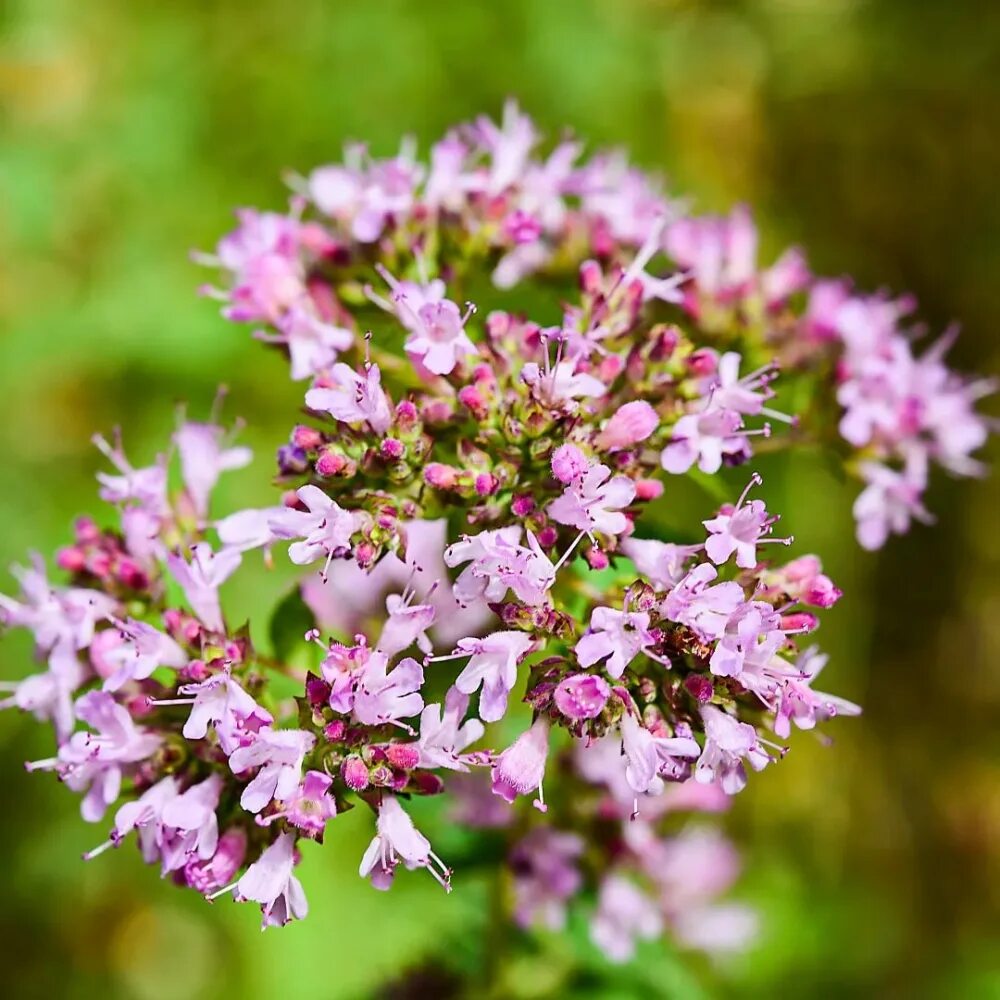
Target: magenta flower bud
{"type": "Point", "coordinates": [822, 592]}
{"type": "Point", "coordinates": [568, 463]}
{"type": "Point", "coordinates": [437, 411]}
{"type": "Point", "coordinates": [427, 783]}
{"type": "Point", "coordinates": [699, 687]}
{"type": "Point", "coordinates": [403, 755]}
{"type": "Point", "coordinates": [392, 449]}
{"type": "Point", "coordinates": [208, 876]}
{"type": "Point", "coordinates": [472, 399]}
{"type": "Point", "coordinates": [630, 424]}
{"type": "Point", "coordinates": [522, 505]}
{"type": "Point", "coordinates": [131, 575]}
{"type": "Point", "coordinates": [335, 730]}
{"type": "Point", "coordinates": [548, 536]}
{"type": "Point", "coordinates": [307, 438]}
{"type": "Point", "coordinates": [648, 489]}
{"type": "Point", "coordinates": [100, 564]}
{"type": "Point", "coordinates": [703, 362]}
{"type": "Point", "coordinates": [71, 559]}
{"type": "Point", "coordinates": [597, 558]}
{"type": "Point", "coordinates": [364, 554]}
{"type": "Point", "coordinates": [441, 477]}
{"type": "Point", "coordinates": [486, 484]}
{"type": "Point", "coordinates": [330, 463]}
{"type": "Point", "coordinates": [87, 532]}
{"type": "Point", "coordinates": [590, 277]}
{"type": "Point", "coordinates": [354, 771]}
{"type": "Point", "coordinates": [406, 415]}
{"type": "Point", "coordinates": [317, 691]}
{"type": "Point", "coordinates": [799, 621]}
{"type": "Point", "coordinates": [582, 696]}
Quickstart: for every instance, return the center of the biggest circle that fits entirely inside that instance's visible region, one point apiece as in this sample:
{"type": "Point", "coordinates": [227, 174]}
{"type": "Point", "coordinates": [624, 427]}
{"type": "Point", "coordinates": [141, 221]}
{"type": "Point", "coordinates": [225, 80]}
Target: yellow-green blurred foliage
{"type": "Point", "coordinates": [866, 131]}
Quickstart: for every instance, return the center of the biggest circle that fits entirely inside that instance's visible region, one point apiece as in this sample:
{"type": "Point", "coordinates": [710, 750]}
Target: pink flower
{"type": "Point", "coordinates": [270, 882]}
{"type": "Point", "coordinates": [204, 459]}
{"type": "Point", "coordinates": [560, 384]}
{"type": "Point", "coordinates": [248, 529]}
{"type": "Point", "coordinates": [310, 806]}
{"type": "Point", "coordinates": [383, 697]}
{"type": "Point", "coordinates": [397, 839]}
{"type": "Point", "coordinates": [546, 876]}
{"type": "Point", "coordinates": [499, 564]}
{"type": "Point", "coordinates": [740, 529]}
{"type": "Point", "coordinates": [492, 665]}
{"type": "Point", "coordinates": [313, 345]}
{"type": "Point", "coordinates": [624, 915]}
{"type": "Point", "coordinates": [520, 768]}
{"type": "Point", "coordinates": [208, 876]}
{"type": "Point", "coordinates": [618, 636]}
{"type": "Point", "coordinates": [798, 703]}
{"type": "Point", "coordinates": [509, 146]}
{"type": "Point", "coordinates": [221, 702]}
{"type": "Point", "coordinates": [94, 762]}
{"type": "Point", "coordinates": [145, 815]}
{"type": "Point", "coordinates": [405, 625]}
{"type": "Point", "coordinates": [190, 826]}
{"type": "Point", "coordinates": [727, 743]}
{"type": "Point", "coordinates": [438, 336]}
{"type": "Point", "coordinates": [278, 754]}
{"type": "Point", "coordinates": [353, 397]}
{"type": "Point", "coordinates": [631, 423]}
{"type": "Point", "coordinates": [594, 502]}
{"type": "Point", "coordinates": [134, 651]}
{"type": "Point", "coordinates": [890, 500]}
{"type": "Point", "coordinates": [325, 527]}
{"type": "Point", "coordinates": [705, 438]}
{"type": "Point", "coordinates": [752, 637]}
{"type": "Point", "coordinates": [662, 563]}
{"type": "Point", "coordinates": [443, 735]}
{"type": "Point", "coordinates": [201, 579]}
{"type": "Point", "coordinates": [146, 488]}
{"type": "Point", "coordinates": [704, 606]}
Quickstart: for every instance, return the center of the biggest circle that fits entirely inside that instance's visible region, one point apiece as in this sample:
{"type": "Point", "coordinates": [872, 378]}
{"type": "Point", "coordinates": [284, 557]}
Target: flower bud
{"type": "Point", "coordinates": [403, 755]}
{"type": "Point", "coordinates": [631, 423]}
{"type": "Point", "coordinates": [306, 438]}
{"type": "Point", "coordinates": [568, 463]}
{"type": "Point", "coordinates": [699, 687]}
{"type": "Point", "coordinates": [582, 696]}
{"type": "Point", "coordinates": [391, 449]}
{"type": "Point", "coordinates": [354, 771]}
{"type": "Point", "coordinates": [440, 476]}
{"type": "Point", "coordinates": [330, 463]}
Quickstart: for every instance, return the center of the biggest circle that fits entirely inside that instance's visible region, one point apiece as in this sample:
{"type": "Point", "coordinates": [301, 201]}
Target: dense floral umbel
{"type": "Point", "coordinates": [465, 496]}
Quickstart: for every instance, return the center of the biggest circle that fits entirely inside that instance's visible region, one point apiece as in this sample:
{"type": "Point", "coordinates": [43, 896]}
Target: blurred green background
{"type": "Point", "coordinates": [865, 130]}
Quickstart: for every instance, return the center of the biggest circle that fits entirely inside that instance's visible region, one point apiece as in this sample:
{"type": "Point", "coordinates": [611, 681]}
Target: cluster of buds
{"type": "Point", "coordinates": [464, 493]}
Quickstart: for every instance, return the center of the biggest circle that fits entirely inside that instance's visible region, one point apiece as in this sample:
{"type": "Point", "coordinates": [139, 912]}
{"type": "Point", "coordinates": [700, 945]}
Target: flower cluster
{"type": "Point", "coordinates": [465, 496]}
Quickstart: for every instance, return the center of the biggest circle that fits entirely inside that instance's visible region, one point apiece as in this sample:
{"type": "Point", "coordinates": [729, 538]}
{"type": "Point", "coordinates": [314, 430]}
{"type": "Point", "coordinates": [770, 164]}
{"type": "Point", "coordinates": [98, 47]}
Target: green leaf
{"type": "Point", "coordinates": [288, 626]}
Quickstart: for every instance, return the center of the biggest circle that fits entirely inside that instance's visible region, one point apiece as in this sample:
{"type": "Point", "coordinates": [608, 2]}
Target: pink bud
{"type": "Point", "coordinates": [391, 449]}
{"type": "Point", "coordinates": [522, 505]}
{"type": "Point", "coordinates": [703, 362]}
{"type": "Point", "coordinates": [632, 423]}
{"type": "Point", "coordinates": [472, 399]}
{"type": "Point", "coordinates": [597, 559]}
{"type": "Point", "coordinates": [486, 484]}
{"type": "Point", "coordinates": [307, 438]}
{"type": "Point", "coordinates": [590, 276]}
{"type": "Point", "coordinates": [330, 463]}
{"type": "Point", "coordinates": [699, 687]}
{"type": "Point", "coordinates": [822, 592]}
{"type": "Point", "coordinates": [582, 696]}
{"type": "Point", "coordinates": [404, 755]}
{"type": "Point", "coordinates": [521, 767]}
{"type": "Point", "coordinates": [568, 463]}
{"type": "Point", "coordinates": [406, 414]}
{"type": "Point", "coordinates": [355, 774]}
{"type": "Point", "coordinates": [648, 489]}
{"type": "Point", "coordinates": [71, 559]}
{"type": "Point", "coordinates": [548, 536]}
{"type": "Point", "coordinates": [521, 227]}
{"type": "Point", "coordinates": [335, 730]}
{"type": "Point", "coordinates": [799, 621]}
{"type": "Point", "coordinates": [441, 477]}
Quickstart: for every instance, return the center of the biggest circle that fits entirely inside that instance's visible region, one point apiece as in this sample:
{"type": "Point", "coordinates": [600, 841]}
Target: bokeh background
{"type": "Point", "coordinates": [865, 130]}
